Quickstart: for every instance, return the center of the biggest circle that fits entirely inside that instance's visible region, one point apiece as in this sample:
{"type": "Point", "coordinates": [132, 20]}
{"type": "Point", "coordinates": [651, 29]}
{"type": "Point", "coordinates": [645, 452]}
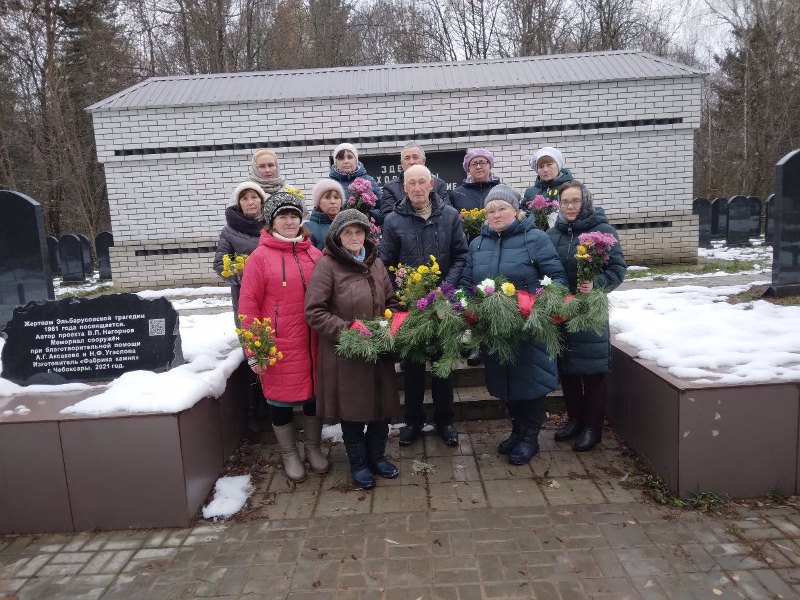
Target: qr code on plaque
{"type": "Point", "coordinates": [157, 326]}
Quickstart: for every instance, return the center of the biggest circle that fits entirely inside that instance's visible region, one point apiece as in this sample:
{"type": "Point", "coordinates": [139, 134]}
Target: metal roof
{"type": "Point", "coordinates": [271, 86]}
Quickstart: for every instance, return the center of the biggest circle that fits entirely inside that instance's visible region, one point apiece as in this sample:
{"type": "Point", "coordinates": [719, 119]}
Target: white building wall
{"type": "Point", "coordinates": [641, 175]}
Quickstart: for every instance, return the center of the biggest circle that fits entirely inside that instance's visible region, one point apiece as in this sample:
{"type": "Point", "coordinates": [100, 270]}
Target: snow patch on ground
{"type": "Point", "coordinates": [230, 496]}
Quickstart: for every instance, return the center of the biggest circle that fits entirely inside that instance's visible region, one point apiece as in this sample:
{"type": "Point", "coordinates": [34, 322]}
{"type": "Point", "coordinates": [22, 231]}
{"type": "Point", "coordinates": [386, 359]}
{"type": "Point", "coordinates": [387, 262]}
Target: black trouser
{"type": "Point", "coordinates": [283, 415]}
{"type": "Point", "coordinates": [441, 389]}
{"type": "Point", "coordinates": [530, 413]}
{"type": "Point", "coordinates": [585, 397]}
{"type": "Point", "coordinates": [353, 431]}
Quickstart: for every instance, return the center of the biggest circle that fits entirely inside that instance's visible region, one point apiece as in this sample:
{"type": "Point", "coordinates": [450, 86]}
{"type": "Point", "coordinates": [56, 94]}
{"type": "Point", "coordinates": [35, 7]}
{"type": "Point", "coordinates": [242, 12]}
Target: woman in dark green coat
{"type": "Point", "coordinates": [511, 246]}
{"type": "Point", "coordinates": [586, 358]}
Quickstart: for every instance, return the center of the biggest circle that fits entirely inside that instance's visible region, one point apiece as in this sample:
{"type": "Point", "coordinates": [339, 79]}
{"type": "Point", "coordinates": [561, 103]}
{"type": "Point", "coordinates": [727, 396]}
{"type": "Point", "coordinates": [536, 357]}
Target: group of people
{"type": "Point", "coordinates": [316, 277]}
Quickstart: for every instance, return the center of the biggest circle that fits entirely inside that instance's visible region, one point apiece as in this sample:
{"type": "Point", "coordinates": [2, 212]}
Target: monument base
{"type": "Point", "coordinates": [782, 291]}
{"type": "Point", "coordinates": [62, 473]}
{"type": "Point", "coordinates": [740, 440]}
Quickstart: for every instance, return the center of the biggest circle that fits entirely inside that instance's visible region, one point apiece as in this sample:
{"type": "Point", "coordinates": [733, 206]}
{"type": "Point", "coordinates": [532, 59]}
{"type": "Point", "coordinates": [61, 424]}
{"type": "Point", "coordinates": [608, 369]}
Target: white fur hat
{"type": "Point", "coordinates": [345, 146]}
{"type": "Point", "coordinates": [553, 153]}
{"type": "Point", "coordinates": [247, 185]}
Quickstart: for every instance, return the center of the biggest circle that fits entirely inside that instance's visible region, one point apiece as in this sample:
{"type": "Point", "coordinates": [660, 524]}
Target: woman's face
{"type": "Point", "coordinates": [287, 224]}
{"type": "Point", "coordinates": [547, 168]}
{"type": "Point", "coordinates": [479, 169]}
{"type": "Point", "coordinates": [570, 203]}
{"type": "Point", "coordinates": [266, 166]}
{"type": "Point", "coordinates": [499, 215]}
{"type": "Point", "coordinates": [345, 161]}
{"type": "Point", "coordinates": [353, 237]}
{"type": "Point", "coordinates": [330, 203]}
{"type": "Point", "coordinates": [250, 204]}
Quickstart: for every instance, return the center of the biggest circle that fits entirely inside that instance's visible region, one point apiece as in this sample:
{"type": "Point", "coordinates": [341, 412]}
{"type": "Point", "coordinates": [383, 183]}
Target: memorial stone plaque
{"type": "Point", "coordinates": [71, 258]}
{"type": "Point", "coordinates": [738, 222]}
{"type": "Point", "coordinates": [786, 246]}
{"type": "Point", "coordinates": [90, 339]}
{"type": "Point", "coordinates": [52, 254]}
{"type": "Point", "coordinates": [719, 218]}
{"type": "Point", "coordinates": [102, 243]}
{"type": "Point", "coordinates": [702, 208]}
{"type": "Point", "coordinates": [769, 219]}
{"type": "Point", "coordinates": [755, 216]}
{"type": "Point", "coordinates": [446, 165]}
{"type": "Point", "coordinates": [24, 263]}
{"type": "Point", "coordinates": [86, 254]}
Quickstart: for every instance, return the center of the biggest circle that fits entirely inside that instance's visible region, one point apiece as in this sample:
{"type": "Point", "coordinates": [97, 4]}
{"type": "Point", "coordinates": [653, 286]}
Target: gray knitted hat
{"type": "Point", "coordinates": [281, 202]}
{"type": "Point", "coordinates": [350, 216]}
{"type": "Point", "coordinates": [505, 194]}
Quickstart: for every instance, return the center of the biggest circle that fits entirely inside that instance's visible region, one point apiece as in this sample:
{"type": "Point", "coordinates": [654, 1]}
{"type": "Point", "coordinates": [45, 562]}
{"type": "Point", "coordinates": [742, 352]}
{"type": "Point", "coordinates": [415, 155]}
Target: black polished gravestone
{"type": "Point", "coordinates": [786, 247]}
{"type": "Point", "coordinates": [71, 257]}
{"type": "Point", "coordinates": [738, 222]}
{"type": "Point", "coordinates": [702, 208]}
{"type": "Point", "coordinates": [102, 242]}
{"type": "Point", "coordinates": [446, 165]}
{"type": "Point", "coordinates": [52, 255]}
{"type": "Point", "coordinates": [719, 218]}
{"type": "Point", "coordinates": [90, 339]}
{"type": "Point", "coordinates": [769, 219]}
{"type": "Point", "coordinates": [755, 216]}
{"type": "Point", "coordinates": [86, 254]}
{"type": "Point", "coordinates": [24, 264]}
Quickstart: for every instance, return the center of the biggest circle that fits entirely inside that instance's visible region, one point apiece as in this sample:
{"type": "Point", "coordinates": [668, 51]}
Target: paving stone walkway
{"type": "Point", "coordinates": [458, 524]}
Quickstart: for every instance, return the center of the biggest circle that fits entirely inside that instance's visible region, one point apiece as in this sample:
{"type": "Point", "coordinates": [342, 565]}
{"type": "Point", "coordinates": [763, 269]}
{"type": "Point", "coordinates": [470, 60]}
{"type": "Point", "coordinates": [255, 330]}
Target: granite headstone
{"type": "Point", "coordinates": [52, 255]}
{"type": "Point", "coordinates": [755, 216]}
{"type": "Point", "coordinates": [786, 246]}
{"type": "Point", "coordinates": [702, 208]}
{"type": "Point", "coordinates": [719, 218]}
{"type": "Point", "coordinates": [71, 258]}
{"type": "Point", "coordinates": [86, 254]}
{"type": "Point", "coordinates": [90, 339]}
{"type": "Point", "coordinates": [769, 219]}
{"type": "Point", "coordinates": [445, 165]}
{"type": "Point", "coordinates": [24, 261]}
{"type": "Point", "coordinates": [738, 222]}
{"type": "Point", "coordinates": [102, 242]}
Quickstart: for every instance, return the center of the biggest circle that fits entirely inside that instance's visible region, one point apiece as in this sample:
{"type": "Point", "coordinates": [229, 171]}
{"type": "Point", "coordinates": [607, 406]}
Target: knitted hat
{"type": "Point", "coordinates": [247, 185]}
{"type": "Point", "coordinates": [281, 202]}
{"type": "Point", "coordinates": [349, 216]}
{"type": "Point", "coordinates": [326, 185]}
{"type": "Point", "coordinates": [345, 146]}
{"type": "Point", "coordinates": [475, 153]}
{"type": "Point", "coordinates": [263, 151]}
{"type": "Point", "coordinates": [503, 193]}
{"type": "Point", "coordinates": [547, 151]}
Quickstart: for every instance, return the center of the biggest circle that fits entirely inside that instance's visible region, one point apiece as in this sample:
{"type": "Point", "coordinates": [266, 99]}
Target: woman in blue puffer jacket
{"type": "Point", "coordinates": [586, 358]}
{"type": "Point", "coordinates": [511, 246]}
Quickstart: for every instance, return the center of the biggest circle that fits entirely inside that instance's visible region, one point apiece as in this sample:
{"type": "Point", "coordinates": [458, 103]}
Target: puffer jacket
{"type": "Point", "coordinates": [346, 180]}
{"type": "Point", "coordinates": [318, 224]}
{"type": "Point", "coordinates": [239, 236]}
{"type": "Point", "coordinates": [274, 285]}
{"type": "Point", "coordinates": [471, 194]}
{"type": "Point", "coordinates": [393, 193]}
{"type": "Point", "coordinates": [548, 189]}
{"type": "Point", "coordinates": [522, 254]}
{"type": "Point", "coordinates": [411, 240]}
{"type": "Point", "coordinates": [341, 291]}
{"type": "Point", "coordinates": [586, 353]}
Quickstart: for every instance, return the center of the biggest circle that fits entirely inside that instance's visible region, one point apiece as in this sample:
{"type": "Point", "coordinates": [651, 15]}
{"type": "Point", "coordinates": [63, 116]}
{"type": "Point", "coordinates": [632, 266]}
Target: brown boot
{"type": "Point", "coordinates": [287, 442]}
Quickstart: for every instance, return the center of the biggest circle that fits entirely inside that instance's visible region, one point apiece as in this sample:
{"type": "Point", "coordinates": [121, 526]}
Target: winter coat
{"type": "Point", "coordinates": [393, 193]}
{"type": "Point", "coordinates": [318, 224]}
{"type": "Point", "coordinates": [587, 353]}
{"type": "Point", "coordinates": [274, 285]}
{"type": "Point", "coordinates": [471, 194]}
{"type": "Point", "coordinates": [239, 236]}
{"type": "Point", "coordinates": [346, 180]}
{"type": "Point", "coordinates": [341, 291]}
{"type": "Point", "coordinates": [411, 240]}
{"type": "Point", "coordinates": [548, 189]}
{"type": "Point", "coordinates": [522, 254]}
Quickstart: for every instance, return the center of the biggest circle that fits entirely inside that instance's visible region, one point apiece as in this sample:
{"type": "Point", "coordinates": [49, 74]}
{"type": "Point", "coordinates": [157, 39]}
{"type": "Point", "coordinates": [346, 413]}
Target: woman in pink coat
{"type": "Point", "coordinates": [274, 286]}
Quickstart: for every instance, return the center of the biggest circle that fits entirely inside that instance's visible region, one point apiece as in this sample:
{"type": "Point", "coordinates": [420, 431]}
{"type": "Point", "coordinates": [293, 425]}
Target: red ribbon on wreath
{"type": "Point", "coordinates": [525, 301]}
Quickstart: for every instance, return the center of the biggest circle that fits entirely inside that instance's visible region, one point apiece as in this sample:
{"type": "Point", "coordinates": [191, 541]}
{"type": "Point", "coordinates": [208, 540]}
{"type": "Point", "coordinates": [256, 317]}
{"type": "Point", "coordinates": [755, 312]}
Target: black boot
{"type": "Point", "coordinates": [377, 436]}
{"type": "Point", "coordinates": [409, 434]}
{"type": "Point", "coordinates": [531, 416]}
{"type": "Point", "coordinates": [588, 439]}
{"type": "Point", "coordinates": [356, 448]}
{"type": "Point", "coordinates": [568, 430]}
{"type": "Point", "coordinates": [507, 445]}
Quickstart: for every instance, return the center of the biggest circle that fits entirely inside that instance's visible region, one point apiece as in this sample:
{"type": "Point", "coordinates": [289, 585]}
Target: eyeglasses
{"type": "Point", "coordinates": [479, 163]}
{"type": "Point", "coordinates": [570, 202]}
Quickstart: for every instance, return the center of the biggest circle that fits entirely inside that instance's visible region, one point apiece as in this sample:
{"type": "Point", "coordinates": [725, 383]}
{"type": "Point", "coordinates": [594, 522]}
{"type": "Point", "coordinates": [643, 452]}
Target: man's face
{"type": "Point", "coordinates": [410, 157]}
{"type": "Point", "coordinates": [418, 188]}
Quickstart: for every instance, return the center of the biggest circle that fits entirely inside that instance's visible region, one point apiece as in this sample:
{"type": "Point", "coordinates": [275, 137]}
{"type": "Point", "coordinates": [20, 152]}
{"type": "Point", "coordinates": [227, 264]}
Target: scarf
{"type": "Point", "coordinates": [271, 185]}
{"type": "Point", "coordinates": [278, 236]}
{"type": "Point", "coordinates": [425, 212]}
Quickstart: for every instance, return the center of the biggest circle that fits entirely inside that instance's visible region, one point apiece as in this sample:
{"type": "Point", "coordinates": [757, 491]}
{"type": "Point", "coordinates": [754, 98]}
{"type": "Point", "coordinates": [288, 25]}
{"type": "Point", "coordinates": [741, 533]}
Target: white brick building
{"type": "Point", "coordinates": [173, 148]}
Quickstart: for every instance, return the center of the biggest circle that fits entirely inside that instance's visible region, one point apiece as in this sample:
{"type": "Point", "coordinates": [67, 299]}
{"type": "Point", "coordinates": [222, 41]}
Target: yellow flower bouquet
{"type": "Point", "coordinates": [471, 222]}
{"type": "Point", "coordinates": [258, 341]}
{"type": "Point", "coordinates": [233, 266]}
{"type": "Point", "coordinates": [414, 283]}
